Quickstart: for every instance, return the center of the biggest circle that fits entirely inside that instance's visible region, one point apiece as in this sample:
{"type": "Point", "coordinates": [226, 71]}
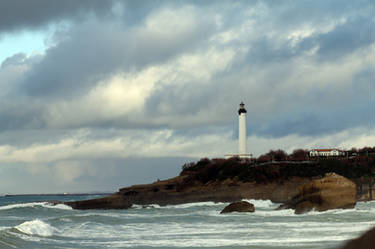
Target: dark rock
{"type": "Point", "coordinates": [366, 241]}
{"type": "Point", "coordinates": [241, 206]}
{"type": "Point", "coordinates": [304, 207]}
{"type": "Point", "coordinates": [130, 193]}
{"type": "Point", "coordinates": [114, 201]}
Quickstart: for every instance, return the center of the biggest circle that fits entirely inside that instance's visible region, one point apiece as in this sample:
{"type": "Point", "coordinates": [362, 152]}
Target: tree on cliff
{"type": "Point", "coordinates": [299, 155]}
{"type": "Point", "coordinates": [273, 155]}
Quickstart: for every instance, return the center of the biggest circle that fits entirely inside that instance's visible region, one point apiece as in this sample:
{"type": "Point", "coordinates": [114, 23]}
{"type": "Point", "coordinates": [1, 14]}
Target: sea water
{"type": "Point", "coordinates": [30, 222]}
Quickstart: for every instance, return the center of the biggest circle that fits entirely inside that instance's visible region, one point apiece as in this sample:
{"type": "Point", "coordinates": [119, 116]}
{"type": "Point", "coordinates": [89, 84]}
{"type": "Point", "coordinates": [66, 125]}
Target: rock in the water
{"type": "Point", "coordinates": [330, 192]}
{"type": "Point", "coordinates": [241, 206]}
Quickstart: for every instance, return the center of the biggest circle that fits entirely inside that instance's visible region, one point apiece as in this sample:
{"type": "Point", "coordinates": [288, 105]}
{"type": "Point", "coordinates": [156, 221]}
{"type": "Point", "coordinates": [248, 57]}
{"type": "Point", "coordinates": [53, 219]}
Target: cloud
{"type": "Point", "coordinates": [346, 38]}
{"type": "Point", "coordinates": [79, 176]}
{"type": "Point", "coordinates": [96, 49]}
{"type": "Point", "coordinates": [18, 14]}
{"type": "Point", "coordinates": [85, 161]}
{"type": "Point", "coordinates": [86, 145]}
{"type": "Point", "coordinates": [164, 71]}
{"type": "Point", "coordinates": [122, 82]}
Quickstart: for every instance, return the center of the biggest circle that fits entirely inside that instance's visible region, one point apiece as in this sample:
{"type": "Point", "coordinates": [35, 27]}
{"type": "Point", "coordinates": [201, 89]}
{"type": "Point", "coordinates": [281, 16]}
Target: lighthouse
{"type": "Point", "coordinates": [242, 129]}
{"type": "Point", "coordinates": [242, 148]}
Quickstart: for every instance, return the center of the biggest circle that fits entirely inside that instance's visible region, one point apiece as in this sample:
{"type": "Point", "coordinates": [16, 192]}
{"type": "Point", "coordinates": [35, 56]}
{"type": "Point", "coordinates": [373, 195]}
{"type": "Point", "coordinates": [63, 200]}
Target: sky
{"type": "Point", "coordinates": [97, 95]}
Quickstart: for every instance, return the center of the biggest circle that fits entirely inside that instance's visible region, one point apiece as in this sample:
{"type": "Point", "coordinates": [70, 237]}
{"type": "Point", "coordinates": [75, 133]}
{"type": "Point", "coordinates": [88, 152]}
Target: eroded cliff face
{"type": "Point", "coordinates": [330, 192]}
{"type": "Point", "coordinates": [365, 188]}
{"type": "Point", "coordinates": [170, 192]}
{"type": "Point", "coordinates": [233, 179]}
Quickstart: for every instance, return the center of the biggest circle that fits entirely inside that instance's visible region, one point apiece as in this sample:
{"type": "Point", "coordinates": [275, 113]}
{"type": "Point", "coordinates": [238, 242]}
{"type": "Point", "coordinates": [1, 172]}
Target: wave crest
{"type": "Point", "coordinates": [261, 203]}
{"type": "Point", "coordinates": [35, 204]}
{"type": "Point", "coordinates": [257, 203]}
{"type": "Point", "coordinates": [36, 227]}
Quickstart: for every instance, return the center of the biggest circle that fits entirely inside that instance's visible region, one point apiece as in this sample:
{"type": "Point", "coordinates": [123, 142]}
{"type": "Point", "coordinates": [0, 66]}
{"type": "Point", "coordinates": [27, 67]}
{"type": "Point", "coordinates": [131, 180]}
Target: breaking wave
{"type": "Point", "coordinates": [257, 204]}
{"type": "Point", "coordinates": [190, 225]}
{"type": "Point", "coordinates": [36, 227]}
{"type": "Point", "coordinates": [35, 204]}
{"type": "Point", "coordinates": [262, 203]}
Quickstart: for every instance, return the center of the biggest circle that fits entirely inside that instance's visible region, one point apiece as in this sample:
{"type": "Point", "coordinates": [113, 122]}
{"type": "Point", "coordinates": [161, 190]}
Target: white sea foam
{"type": "Point", "coordinates": [273, 213]}
{"type": "Point", "coordinates": [35, 204]}
{"type": "Point", "coordinates": [196, 204]}
{"type": "Point", "coordinates": [257, 203]}
{"type": "Point", "coordinates": [21, 205]}
{"type": "Point", "coordinates": [261, 203]}
{"type": "Point", "coordinates": [36, 227]}
{"type": "Point", "coordinates": [236, 231]}
{"type": "Point", "coordinates": [185, 205]}
{"type": "Point", "coordinates": [4, 228]}
{"type": "Point", "coordinates": [221, 242]}
{"type": "Point", "coordinates": [57, 206]}
{"type": "Point", "coordinates": [149, 206]}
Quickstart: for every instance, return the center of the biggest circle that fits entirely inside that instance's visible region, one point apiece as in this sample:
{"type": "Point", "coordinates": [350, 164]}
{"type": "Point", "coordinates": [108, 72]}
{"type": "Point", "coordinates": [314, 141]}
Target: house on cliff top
{"type": "Point", "coordinates": [326, 153]}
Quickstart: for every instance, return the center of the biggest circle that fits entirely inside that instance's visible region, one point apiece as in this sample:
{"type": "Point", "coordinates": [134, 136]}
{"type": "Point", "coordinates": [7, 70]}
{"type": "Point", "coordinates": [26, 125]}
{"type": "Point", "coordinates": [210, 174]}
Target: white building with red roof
{"type": "Point", "coordinates": [326, 152]}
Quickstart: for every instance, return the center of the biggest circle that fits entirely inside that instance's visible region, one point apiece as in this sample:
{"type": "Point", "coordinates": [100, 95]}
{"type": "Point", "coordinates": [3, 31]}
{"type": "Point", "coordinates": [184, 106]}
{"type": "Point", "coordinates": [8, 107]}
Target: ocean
{"type": "Point", "coordinates": [30, 222]}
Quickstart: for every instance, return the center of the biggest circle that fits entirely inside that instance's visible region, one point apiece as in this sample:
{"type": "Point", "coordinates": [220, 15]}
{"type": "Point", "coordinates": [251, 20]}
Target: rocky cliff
{"type": "Point", "coordinates": [330, 192]}
{"type": "Point", "coordinates": [167, 192]}
{"type": "Point", "coordinates": [229, 181]}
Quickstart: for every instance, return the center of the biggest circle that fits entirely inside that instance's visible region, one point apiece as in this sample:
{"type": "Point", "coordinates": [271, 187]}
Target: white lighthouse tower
{"type": "Point", "coordinates": [242, 150]}
{"type": "Point", "coordinates": [242, 129]}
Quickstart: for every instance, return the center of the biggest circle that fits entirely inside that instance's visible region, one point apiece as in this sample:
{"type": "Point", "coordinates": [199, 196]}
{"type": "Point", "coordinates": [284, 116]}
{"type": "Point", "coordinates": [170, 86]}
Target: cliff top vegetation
{"type": "Point", "coordinates": [277, 165]}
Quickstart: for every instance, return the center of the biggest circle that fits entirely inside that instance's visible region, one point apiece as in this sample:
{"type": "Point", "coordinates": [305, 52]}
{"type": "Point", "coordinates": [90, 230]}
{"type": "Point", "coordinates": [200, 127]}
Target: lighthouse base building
{"type": "Point", "coordinates": [242, 150]}
{"type": "Point", "coordinates": [242, 156]}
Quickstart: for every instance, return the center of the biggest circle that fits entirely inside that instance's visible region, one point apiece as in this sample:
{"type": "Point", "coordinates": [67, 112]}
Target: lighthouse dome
{"type": "Point", "coordinates": [242, 109]}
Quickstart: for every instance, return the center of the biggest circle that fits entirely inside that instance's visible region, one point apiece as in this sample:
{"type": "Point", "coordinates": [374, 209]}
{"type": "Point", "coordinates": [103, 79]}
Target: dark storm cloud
{"type": "Point", "coordinates": [356, 33]}
{"type": "Point", "coordinates": [264, 53]}
{"type": "Point", "coordinates": [20, 14]}
{"type": "Point", "coordinates": [344, 39]}
{"type": "Point", "coordinates": [22, 137]}
{"type": "Point", "coordinates": [291, 13]}
{"type": "Point", "coordinates": [301, 67]}
{"type": "Point", "coordinates": [180, 99]}
{"type": "Point", "coordinates": [365, 83]}
{"type": "Point", "coordinates": [16, 111]}
{"type": "Point", "coordinates": [12, 117]}
{"type": "Point", "coordinates": [319, 121]}
{"type": "Point", "coordinates": [97, 50]}
{"type": "Point", "coordinates": [314, 116]}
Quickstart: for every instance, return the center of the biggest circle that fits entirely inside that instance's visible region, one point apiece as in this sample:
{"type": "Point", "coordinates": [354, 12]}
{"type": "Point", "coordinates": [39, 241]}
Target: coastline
{"type": "Point", "coordinates": [234, 179]}
{"type": "Point", "coordinates": [226, 191]}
